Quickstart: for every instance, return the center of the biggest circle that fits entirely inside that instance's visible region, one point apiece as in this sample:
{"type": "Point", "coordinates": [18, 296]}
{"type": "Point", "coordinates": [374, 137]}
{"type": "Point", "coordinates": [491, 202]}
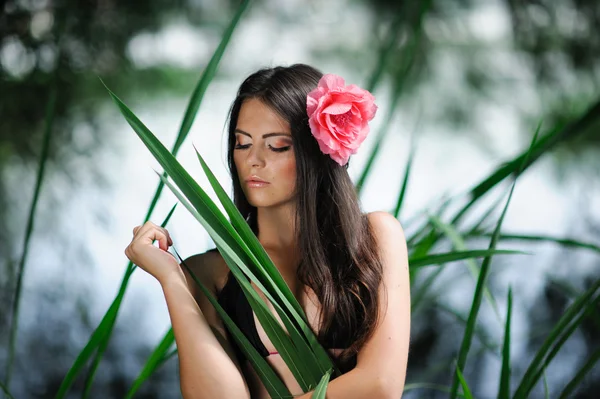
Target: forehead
{"type": "Point", "coordinates": [256, 117]}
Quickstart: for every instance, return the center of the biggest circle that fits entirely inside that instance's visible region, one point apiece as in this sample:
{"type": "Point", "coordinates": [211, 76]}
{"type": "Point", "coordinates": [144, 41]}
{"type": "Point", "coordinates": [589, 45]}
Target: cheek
{"type": "Point", "coordinates": [288, 171]}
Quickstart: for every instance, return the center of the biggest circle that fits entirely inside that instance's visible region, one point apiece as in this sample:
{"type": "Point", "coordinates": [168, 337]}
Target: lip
{"type": "Point", "coordinates": [255, 179]}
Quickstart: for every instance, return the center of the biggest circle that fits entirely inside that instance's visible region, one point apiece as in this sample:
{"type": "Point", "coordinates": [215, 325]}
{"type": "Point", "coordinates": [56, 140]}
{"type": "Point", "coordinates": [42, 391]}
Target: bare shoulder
{"type": "Point", "coordinates": [210, 268]}
{"type": "Point", "coordinates": [385, 226]}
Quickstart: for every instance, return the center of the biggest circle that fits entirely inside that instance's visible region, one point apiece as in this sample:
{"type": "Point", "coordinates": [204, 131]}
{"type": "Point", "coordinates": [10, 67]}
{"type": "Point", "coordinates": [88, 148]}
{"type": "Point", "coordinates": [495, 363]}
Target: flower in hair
{"type": "Point", "coordinates": [339, 116]}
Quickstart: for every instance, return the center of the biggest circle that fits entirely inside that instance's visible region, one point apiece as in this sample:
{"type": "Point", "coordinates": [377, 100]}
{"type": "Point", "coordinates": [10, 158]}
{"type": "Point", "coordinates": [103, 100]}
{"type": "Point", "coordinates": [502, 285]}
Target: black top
{"type": "Point", "coordinates": [234, 302]}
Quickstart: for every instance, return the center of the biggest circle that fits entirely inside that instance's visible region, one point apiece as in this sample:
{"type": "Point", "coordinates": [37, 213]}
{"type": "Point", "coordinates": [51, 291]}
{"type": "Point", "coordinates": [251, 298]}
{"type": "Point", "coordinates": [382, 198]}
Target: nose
{"type": "Point", "coordinates": [255, 157]}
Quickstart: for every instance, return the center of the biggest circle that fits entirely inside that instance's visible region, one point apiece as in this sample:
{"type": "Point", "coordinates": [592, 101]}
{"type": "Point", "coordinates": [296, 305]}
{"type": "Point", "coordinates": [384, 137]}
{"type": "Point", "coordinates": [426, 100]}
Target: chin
{"type": "Point", "coordinates": [267, 202]}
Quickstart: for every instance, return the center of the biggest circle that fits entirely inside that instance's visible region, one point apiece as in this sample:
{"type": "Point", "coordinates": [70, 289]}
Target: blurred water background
{"type": "Point", "coordinates": [481, 76]}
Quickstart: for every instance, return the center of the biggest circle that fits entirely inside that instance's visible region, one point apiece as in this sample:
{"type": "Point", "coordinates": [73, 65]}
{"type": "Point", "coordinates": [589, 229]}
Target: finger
{"type": "Point", "coordinates": [161, 237]}
{"type": "Point", "coordinates": [135, 229]}
{"type": "Point", "coordinates": [169, 240]}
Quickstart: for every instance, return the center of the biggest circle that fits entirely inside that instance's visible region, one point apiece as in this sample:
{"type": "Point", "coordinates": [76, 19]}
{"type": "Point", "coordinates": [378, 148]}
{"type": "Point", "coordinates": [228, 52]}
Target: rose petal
{"type": "Point", "coordinates": [337, 108]}
{"type": "Point", "coordinates": [331, 81]}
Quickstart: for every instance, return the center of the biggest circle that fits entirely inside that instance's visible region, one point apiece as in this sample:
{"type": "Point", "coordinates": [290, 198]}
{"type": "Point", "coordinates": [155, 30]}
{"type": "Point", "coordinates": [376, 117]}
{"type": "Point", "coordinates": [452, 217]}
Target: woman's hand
{"type": "Point", "coordinates": [156, 261]}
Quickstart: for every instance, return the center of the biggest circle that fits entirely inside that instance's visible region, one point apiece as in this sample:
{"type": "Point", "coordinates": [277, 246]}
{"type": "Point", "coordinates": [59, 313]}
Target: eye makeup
{"type": "Point", "coordinates": [274, 149]}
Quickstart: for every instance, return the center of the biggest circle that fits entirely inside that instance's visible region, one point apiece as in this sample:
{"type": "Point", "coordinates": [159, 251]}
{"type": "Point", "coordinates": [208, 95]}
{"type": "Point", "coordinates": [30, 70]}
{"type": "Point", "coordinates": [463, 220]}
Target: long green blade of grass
{"type": "Point", "coordinates": [568, 323]}
{"type": "Point", "coordinates": [545, 144]}
{"type": "Point", "coordinates": [97, 336]}
{"type": "Point", "coordinates": [273, 383]}
{"type": "Point", "coordinates": [321, 389]}
{"type": "Point", "coordinates": [153, 362]}
{"type": "Point", "coordinates": [402, 194]}
{"type": "Point", "coordinates": [6, 392]}
{"type": "Point", "coordinates": [504, 386]}
{"type": "Point", "coordinates": [49, 122]}
{"type": "Point", "coordinates": [565, 242]}
{"type": "Point", "coordinates": [580, 375]}
{"type": "Point", "coordinates": [107, 323]}
{"type": "Point", "coordinates": [456, 255]}
{"type": "Point", "coordinates": [485, 267]}
{"type": "Point", "coordinates": [464, 385]}
{"type": "Point", "coordinates": [459, 244]}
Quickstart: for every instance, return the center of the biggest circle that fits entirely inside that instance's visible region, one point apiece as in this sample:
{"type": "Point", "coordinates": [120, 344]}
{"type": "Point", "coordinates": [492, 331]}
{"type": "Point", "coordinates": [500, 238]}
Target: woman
{"type": "Point", "coordinates": [291, 133]}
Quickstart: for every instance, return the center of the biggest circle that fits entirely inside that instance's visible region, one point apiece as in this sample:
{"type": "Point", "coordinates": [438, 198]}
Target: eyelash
{"type": "Point", "coordinates": [243, 147]}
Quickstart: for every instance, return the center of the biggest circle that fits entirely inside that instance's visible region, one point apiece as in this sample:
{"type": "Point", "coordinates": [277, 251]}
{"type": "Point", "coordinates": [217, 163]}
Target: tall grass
{"type": "Point", "coordinates": [14, 325]}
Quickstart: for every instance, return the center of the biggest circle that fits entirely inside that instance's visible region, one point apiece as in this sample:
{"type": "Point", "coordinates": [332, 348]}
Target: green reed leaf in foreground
{"type": "Point", "coordinates": [281, 341]}
{"type": "Point", "coordinates": [567, 324]}
{"type": "Point", "coordinates": [321, 389]}
{"type": "Point", "coordinates": [477, 296]}
{"type": "Point", "coordinates": [504, 386]}
{"type": "Point", "coordinates": [153, 362]}
{"type": "Point", "coordinates": [309, 355]}
{"type": "Point", "coordinates": [227, 239]}
{"type": "Point", "coordinates": [580, 375]}
{"type": "Point", "coordinates": [273, 383]}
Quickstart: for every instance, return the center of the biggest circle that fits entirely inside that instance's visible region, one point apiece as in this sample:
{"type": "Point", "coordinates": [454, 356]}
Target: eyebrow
{"type": "Point", "coordinates": [266, 135]}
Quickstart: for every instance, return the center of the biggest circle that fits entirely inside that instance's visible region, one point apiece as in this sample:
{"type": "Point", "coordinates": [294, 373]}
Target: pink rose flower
{"type": "Point", "coordinates": [339, 116]}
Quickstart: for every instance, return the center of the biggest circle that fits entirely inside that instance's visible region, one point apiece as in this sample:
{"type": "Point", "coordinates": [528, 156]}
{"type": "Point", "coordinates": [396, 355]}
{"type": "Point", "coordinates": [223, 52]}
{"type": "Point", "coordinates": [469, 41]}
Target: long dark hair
{"type": "Point", "coordinates": [340, 257]}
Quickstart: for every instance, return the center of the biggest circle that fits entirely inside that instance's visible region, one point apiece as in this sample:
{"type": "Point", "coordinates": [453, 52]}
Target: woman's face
{"type": "Point", "coordinates": [264, 150]}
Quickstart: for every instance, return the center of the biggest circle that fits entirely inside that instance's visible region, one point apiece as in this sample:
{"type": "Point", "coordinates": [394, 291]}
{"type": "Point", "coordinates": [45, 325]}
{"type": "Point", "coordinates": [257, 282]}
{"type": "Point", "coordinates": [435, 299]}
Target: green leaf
{"type": "Point", "coordinates": [459, 244]}
{"type": "Point", "coordinates": [504, 388]}
{"type": "Point", "coordinates": [580, 375]}
{"type": "Point", "coordinates": [485, 267]}
{"type": "Point", "coordinates": [272, 382]}
{"type": "Point", "coordinates": [557, 135]}
{"type": "Point", "coordinates": [301, 371]}
{"type": "Point", "coordinates": [464, 385]}
{"type": "Point", "coordinates": [321, 389]}
{"type": "Point", "coordinates": [457, 255]}
{"type": "Point", "coordinates": [14, 323]}
{"type": "Point", "coordinates": [153, 362]}
{"type": "Point", "coordinates": [267, 320]}
{"type": "Point", "coordinates": [400, 200]}
{"type": "Point", "coordinates": [309, 349]}
{"type": "Point", "coordinates": [566, 242]}
{"type": "Point", "coordinates": [6, 392]}
{"type": "Point", "coordinates": [568, 323]}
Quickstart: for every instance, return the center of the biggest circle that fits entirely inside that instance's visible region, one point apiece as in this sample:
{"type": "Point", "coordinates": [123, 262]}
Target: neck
{"type": "Point", "coordinates": [276, 227]}
{"type": "Point", "coordinates": [277, 234]}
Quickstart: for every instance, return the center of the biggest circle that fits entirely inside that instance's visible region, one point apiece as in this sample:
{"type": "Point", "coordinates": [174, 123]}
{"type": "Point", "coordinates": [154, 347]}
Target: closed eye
{"type": "Point", "coordinates": [274, 149]}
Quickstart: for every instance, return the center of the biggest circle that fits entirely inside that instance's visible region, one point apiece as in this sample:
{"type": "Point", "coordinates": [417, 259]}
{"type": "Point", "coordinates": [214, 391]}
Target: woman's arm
{"type": "Point", "coordinates": [208, 369]}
